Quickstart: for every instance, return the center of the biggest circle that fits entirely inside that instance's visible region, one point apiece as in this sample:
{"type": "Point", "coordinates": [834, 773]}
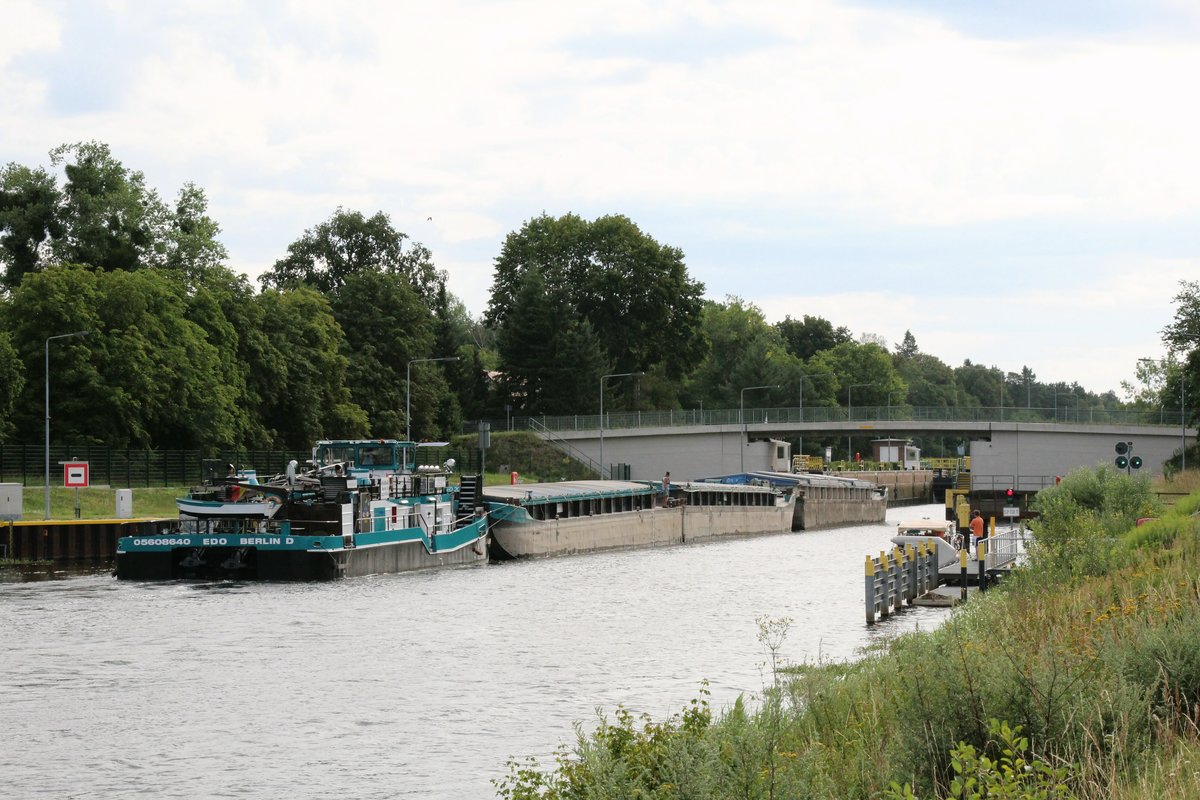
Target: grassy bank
{"type": "Point", "coordinates": [1079, 677]}
{"type": "Point", "coordinates": [98, 503]}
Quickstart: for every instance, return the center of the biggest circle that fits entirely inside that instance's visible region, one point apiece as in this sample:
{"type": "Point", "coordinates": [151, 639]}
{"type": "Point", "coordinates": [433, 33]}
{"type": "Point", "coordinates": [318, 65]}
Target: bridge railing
{"type": "Point", "coordinates": [817, 414]}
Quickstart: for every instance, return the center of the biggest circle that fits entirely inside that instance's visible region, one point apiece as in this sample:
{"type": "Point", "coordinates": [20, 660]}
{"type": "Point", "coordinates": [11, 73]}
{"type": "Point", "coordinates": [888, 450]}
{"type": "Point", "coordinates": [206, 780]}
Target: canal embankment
{"type": "Point", "coordinates": [1082, 665]}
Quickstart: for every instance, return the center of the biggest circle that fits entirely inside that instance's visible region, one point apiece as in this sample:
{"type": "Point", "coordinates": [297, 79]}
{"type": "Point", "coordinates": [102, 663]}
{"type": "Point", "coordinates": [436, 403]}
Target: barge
{"type": "Point", "coordinates": [362, 507]}
{"type": "Point", "coordinates": [542, 519]}
{"type": "Point", "coordinates": [822, 501]}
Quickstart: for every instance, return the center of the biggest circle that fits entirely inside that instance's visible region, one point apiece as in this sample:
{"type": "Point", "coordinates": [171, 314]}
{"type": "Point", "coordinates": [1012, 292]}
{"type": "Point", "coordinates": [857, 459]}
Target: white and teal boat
{"type": "Point", "coordinates": [361, 507]}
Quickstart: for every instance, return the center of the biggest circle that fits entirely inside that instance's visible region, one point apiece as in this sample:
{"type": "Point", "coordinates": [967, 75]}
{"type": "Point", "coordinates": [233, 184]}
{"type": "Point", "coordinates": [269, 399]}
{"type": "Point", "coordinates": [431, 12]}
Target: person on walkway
{"type": "Point", "coordinates": [976, 528]}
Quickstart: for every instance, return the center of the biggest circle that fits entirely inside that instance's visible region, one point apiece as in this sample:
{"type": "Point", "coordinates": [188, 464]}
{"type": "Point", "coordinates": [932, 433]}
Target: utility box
{"type": "Point", "coordinates": [10, 501]}
{"type": "Point", "coordinates": [124, 503]}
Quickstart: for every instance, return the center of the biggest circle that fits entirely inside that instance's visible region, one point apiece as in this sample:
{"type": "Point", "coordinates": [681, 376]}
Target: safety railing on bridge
{"type": "Point", "coordinates": [798, 415]}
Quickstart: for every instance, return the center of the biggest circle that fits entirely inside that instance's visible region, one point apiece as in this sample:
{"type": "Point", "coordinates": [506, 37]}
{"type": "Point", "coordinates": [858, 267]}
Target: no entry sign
{"type": "Point", "coordinates": [75, 474]}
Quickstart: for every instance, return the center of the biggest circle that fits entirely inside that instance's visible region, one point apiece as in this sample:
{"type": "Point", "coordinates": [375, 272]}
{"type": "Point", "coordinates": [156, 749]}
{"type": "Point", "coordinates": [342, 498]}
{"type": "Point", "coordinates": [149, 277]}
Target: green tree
{"type": "Point", "coordinates": [303, 389]}
{"type": "Point", "coordinates": [145, 376]}
{"type": "Point", "coordinates": [110, 218]}
{"type": "Point", "coordinates": [809, 336]}
{"type": "Point", "coordinates": [527, 344]}
{"type": "Point", "coordinates": [1182, 337]}
{"type": "Point", "coordinates": [907, 348]}
{"type": "Point", "coordinates": [12, 381]}
{"type": "Point", "coordinates": [929, 380]}
{"type": "Point", "coordinates": [980, 385]}
{"type": "Point", "coordinates": [103, 215]}
{"type": "Point", "coordinates": [193, 249]}
{"type": "Point", "coordinates": [865, 367]}
{"type": "Point", "coordinates": [28, 220]}
{"type": "Point", "coordinates": [743, 351]}
{"type": "Point", "coordinates": [634, 292]}
{"type": "Point", "coordinates": [349, 243]}
{"type": "Point", "coordinates": [386, 325]}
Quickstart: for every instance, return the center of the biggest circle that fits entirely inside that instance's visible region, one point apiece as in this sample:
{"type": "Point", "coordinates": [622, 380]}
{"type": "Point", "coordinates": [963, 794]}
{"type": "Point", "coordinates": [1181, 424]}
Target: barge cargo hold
{"type": "Point", "coordinates": [363, 508]}
{"type": "Point", "coordinates": [542, 519]}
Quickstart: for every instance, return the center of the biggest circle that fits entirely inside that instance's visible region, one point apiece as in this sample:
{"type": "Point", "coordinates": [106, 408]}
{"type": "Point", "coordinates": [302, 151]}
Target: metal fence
{"type": "Point", "coordinates": [117, 467]}
{"type": "Point", "coordinates": [818, 414]}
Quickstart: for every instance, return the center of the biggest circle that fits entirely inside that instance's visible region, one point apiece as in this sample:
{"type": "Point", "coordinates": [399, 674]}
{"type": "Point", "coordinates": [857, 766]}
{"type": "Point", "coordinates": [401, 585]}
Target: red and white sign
{"type": "Point", "coordinates": [75, 474]}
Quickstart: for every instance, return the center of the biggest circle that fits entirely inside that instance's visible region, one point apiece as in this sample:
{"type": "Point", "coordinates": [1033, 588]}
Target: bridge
{"type": "Point", "coordinates": [1010, 447]}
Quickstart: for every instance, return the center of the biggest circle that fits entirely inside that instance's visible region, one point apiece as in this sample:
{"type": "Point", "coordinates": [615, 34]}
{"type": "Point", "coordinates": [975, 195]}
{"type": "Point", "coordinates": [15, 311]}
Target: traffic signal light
{"type": "Point", "coordinates": [1126, 460]}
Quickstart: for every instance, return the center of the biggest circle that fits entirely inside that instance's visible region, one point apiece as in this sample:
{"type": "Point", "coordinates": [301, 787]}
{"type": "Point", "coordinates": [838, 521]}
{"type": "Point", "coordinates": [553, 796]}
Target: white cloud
{"type": "Point", "coordinates": [770, 118]}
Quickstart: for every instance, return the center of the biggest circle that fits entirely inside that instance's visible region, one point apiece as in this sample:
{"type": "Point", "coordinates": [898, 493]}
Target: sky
{"type": "Point", "coordinates": [1016, 183]}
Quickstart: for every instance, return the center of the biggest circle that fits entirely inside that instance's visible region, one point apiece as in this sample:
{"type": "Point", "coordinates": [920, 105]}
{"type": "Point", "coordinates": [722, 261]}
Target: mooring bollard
{"type": "Point", "coordinates": [872, 605]}
{"type": "Point", "coordinates": [981, 554]}
{"type": "Point", "coordinates": [962, 576]}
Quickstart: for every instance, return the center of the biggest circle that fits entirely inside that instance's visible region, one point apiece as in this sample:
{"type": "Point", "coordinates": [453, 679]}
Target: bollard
{"type": "Point", "coordinates": [870, 585]}
{"type": "Point", "coordinates": [982, 554]}
{"type": "Point", "coordinates": [962, 578]}
{"type": "Point", "coordinates": [512, 478]}
{"type": "Point", "coordinates": [914, 573]}
{"type": "Point", "coordinates": [889, 582]}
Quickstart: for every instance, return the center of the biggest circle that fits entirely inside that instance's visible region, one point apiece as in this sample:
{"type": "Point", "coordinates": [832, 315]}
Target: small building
{"type": "Point", "coordinates": [897, 451]}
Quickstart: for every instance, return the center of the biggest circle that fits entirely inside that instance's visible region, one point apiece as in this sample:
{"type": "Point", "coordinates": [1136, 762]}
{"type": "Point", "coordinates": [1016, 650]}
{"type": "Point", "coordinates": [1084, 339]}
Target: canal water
{"type": "Point", "coordinates": [417, 685]}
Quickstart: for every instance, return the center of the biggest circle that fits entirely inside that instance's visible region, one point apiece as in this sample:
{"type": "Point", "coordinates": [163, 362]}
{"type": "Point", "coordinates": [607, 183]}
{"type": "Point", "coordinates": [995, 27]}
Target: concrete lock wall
{"type": "Point", "coordinates": [904, 486]}
{"type": "Point", "coordinates": [1002, 463]}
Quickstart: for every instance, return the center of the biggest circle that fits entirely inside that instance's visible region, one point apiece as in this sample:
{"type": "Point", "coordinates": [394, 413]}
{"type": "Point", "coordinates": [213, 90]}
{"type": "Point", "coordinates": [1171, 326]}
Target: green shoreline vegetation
{"type": "Point", "coordinates": [1077, 677]}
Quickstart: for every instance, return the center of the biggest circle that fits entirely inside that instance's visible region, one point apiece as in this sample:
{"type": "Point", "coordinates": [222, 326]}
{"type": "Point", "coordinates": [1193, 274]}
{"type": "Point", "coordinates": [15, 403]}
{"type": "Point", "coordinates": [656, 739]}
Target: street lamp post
{"type": "Point", "coordinates": [890, 394]}
{"type": "Point", "coordinates": [742, 419]}
{"type": "Point", "coordinates": [604, 474]}
{"type": "Point", "coordinates": [408, 391]}
{"type": "Point", "coordinates": [850, 412]}
{"type": "Point", "coordinates": [48, 340]}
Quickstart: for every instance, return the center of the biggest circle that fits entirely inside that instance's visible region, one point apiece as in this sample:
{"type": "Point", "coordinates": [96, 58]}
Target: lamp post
{"type": "Point", "coordinates": [408, 391]}
{"type": "Point", "coordinates": [48, 340]}
{"type": "Point", "coordinates": [850, 412]}
{"type": "Point", "coordinates": [604, 474]}
{"type": "Point", "coordinates": [898, 391]}
{"type": "Point", "coordinates": [742, 419]}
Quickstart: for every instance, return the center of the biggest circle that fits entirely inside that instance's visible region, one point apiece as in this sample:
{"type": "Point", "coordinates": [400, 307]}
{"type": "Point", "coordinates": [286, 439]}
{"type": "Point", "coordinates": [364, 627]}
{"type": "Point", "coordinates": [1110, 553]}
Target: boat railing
{"type": "Point", "coordinates": [1006, 547]}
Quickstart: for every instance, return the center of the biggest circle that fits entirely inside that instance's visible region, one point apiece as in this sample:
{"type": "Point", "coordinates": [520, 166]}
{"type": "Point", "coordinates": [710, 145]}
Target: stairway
{"type": "Point", "coordinates": [469, 495]}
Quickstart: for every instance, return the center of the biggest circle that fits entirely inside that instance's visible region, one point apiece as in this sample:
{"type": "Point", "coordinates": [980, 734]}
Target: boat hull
{"type": "Point", "coordinates": [298, 558]}
{"type": "Point", "coordinates": [516, 536]}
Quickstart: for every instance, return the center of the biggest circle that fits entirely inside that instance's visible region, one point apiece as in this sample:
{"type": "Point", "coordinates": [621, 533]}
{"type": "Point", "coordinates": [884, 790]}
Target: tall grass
{"type": "Point", "coordinates": [1088, 659]}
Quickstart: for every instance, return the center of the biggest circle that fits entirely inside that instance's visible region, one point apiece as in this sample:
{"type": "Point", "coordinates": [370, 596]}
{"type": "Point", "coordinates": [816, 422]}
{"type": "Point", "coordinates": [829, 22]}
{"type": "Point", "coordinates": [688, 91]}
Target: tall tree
{"type": "Point", "coordinates": [103, 215]}
{"type": "Point", "coordinates": [110, 218]}
{"type": "Point", "coordinates": [634, 292]}
{"type": "Point", "coordinates": [744, 351]}
{"type": "Point", "coordinates": [348, 243]}
{"type": "Point", "coordinates": [28, 220]}
{"type": "Point", "coordinates": [866, 376]}
{"type": "Point", "coordinates": [386, 325]}
{"type": "Point", "coordinates": [146, 375]}
{"type": "Point", "coordinates": [525, 342]}
{"type": "Point", "coordinates": [12, 380]}
{"type": "Point", "coordinates": [805, 338]}
{"type": "Point", "coordinates": [305, 396]}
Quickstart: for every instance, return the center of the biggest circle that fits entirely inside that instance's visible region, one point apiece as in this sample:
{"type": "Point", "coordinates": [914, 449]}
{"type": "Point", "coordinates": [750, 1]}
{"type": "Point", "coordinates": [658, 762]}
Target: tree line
{"type": "Point", "coordinates": [183, 351]}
